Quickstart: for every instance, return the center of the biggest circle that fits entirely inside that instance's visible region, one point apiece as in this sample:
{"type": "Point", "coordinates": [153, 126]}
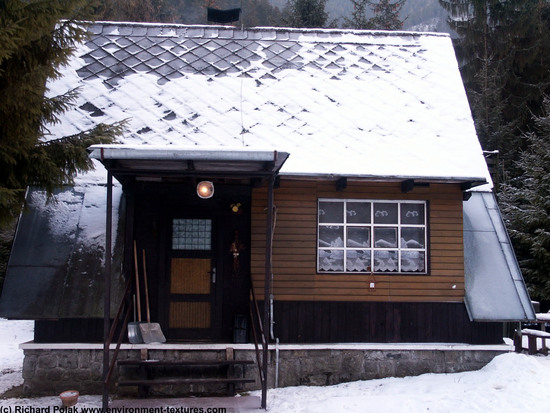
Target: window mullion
{"type": "Point", "coordinates": [399, 246]}
{"type": "Point", "coordinates": [345, 222]}
{"type": "Point", "coordinates": [372, 237]}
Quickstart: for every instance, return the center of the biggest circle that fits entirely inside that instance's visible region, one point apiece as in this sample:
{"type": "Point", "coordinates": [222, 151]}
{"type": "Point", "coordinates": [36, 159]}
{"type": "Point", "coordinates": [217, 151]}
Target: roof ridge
{"type": "Point", "coordinates": [319, 34]}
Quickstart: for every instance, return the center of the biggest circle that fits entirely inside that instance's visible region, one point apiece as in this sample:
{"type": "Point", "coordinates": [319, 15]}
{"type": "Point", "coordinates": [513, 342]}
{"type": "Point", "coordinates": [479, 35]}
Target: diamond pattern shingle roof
{"type": "Point", "coordinates": [361, 103]}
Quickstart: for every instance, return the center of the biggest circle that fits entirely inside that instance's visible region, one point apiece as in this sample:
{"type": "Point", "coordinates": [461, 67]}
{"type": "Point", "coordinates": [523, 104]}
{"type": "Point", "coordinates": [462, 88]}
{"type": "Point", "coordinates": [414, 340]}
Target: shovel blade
{"type": "Point", "coordinates": [152, 333]}
{"type": "Point", "coordinates": [134, 333]}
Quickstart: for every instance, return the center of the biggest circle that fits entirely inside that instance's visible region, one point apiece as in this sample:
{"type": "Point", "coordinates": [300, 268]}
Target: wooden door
{"type": "Point", "coordinates": [192, 280]}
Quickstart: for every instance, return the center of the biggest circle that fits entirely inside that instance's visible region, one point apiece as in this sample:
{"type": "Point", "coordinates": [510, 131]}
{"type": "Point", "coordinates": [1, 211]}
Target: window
{"type": "Point", "coordinates": [363, 236]}
{"type": "Point", "coordinates": [191, 234]}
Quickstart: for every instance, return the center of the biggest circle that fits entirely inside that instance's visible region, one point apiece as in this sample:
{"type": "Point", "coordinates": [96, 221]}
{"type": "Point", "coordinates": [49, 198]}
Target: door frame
{"type": "Point", "coordinates": [191, 334]}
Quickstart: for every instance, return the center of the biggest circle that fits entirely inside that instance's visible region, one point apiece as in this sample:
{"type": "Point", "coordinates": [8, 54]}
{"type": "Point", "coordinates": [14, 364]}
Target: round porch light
{"type": "Point", "coordinates": [205, 189]}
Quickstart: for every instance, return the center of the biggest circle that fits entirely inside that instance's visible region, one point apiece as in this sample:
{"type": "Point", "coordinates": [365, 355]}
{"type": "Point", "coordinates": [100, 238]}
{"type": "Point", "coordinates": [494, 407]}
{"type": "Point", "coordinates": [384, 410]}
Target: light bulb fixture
{"type": "Point", "coordinates": [205, 189]}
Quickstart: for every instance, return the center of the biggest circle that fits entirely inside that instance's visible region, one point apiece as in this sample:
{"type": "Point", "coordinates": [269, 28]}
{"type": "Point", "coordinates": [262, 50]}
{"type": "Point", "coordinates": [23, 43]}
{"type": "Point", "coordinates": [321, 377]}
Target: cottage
{"type": "Point", "coordinates": [345, 187]}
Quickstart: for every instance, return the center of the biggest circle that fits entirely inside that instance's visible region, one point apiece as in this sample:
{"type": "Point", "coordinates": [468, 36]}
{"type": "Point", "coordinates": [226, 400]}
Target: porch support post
{"type": "Point", "coordinates": [107, 291]}
{"type": "Point", "coordinates": [267, 285]}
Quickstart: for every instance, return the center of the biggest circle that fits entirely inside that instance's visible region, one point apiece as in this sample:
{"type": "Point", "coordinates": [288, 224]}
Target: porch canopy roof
{"type": "Point", "coordinates": [146, 161]}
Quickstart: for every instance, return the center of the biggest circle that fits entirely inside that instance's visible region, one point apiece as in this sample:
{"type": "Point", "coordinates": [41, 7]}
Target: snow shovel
{"type": "Point", "coordinates": [134, 332]}
{"type": "Point", "coordinates": [150, 332]}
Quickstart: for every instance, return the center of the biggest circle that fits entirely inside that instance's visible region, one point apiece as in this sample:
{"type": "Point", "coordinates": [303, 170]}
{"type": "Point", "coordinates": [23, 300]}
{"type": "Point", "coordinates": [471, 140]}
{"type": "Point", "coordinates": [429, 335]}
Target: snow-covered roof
{"type": "Point", "coordinates": [341, 102]}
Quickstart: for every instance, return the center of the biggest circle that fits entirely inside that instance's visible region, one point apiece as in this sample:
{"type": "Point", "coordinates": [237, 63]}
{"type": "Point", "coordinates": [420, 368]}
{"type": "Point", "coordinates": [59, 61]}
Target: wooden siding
{"type": "Point", "coordinates": [295, 240]}
{"type": "Point", "coordinates": [377, 322]}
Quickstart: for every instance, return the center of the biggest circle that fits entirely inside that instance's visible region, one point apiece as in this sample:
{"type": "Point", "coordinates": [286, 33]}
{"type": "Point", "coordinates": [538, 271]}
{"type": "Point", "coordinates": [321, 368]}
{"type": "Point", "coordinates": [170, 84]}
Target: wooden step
{"type": "Point", "coordinates": [151, 373]}
{"type": "Point", "coordinates": [169, 381]}
{"type": "Point", "coordinates": [183, 363]}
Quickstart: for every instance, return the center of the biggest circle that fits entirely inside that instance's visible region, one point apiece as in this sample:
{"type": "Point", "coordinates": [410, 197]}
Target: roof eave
{"type": "Point", "coordinates": [467, 182]}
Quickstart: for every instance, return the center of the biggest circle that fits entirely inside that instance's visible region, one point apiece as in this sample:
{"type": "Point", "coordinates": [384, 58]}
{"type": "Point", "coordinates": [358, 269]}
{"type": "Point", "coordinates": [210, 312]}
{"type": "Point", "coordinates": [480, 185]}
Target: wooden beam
{"type": "Point", "coordinates": [407, 185]}
{"type": "Point", "coordinates": [341, 183]}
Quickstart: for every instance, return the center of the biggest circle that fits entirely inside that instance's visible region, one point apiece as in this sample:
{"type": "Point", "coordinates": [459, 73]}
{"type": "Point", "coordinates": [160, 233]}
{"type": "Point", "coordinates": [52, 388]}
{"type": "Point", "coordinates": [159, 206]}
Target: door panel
{"type": "Point", "coordinates": [190, 293]}
{"type": "Point", "coordinates": [190, 315]}
{"type": "Point", "coordinates": [190, 276]}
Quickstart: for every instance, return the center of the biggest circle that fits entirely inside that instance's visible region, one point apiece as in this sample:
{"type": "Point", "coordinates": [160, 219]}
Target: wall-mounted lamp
{"type": "Point", "coordinates": [205, 189]}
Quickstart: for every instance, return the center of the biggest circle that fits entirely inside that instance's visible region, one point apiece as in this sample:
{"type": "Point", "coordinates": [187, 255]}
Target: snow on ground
{"type": "Point", "coordinates": [11, 357]}
{"type": "Point", "coordinates": [13, 333]}
{"type": "Point", "coordinates": [510, 383]}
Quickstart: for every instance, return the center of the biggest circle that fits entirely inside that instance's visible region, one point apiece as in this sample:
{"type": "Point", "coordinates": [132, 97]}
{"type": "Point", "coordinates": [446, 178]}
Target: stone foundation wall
{"type": "Point", "coordinates": [328, 367]}
{"type": "Point", "coordinates": [51, 371]}
{"type": "Point", "coordinates": [48, 372]}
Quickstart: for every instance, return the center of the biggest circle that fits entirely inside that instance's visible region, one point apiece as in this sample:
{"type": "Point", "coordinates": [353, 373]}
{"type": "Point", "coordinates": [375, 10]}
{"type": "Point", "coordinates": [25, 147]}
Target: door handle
{"type": "Point", "coordinates": [213, 272]}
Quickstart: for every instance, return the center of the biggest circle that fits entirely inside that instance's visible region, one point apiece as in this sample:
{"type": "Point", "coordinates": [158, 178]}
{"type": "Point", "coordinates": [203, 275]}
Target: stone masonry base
{"type": "Point", "coordinates": [49, 369]}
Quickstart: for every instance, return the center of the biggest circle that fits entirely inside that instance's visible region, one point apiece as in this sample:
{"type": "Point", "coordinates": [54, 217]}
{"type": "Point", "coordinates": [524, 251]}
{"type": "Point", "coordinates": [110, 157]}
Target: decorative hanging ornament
{"type": "Point", "coordinates": [235, 208]}
{"type": "Point", "coordinates": [235, 249]}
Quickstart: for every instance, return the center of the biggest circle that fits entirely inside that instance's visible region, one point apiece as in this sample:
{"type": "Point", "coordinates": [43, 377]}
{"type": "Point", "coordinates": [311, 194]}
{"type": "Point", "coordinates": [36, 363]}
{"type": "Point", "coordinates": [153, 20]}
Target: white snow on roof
{"type": "Point", "coordinates": [353, 103]}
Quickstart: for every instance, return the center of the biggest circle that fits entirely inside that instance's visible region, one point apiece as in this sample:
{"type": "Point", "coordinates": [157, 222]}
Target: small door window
{"type": "Point", "coordinates": [192, 234]}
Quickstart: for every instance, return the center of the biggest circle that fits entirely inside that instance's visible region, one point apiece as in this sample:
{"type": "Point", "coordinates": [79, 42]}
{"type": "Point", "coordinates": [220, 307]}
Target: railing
{"type": "Point", "coordinates": [256, 322]}
{"type": "Point", "coordinates": [125, 305]}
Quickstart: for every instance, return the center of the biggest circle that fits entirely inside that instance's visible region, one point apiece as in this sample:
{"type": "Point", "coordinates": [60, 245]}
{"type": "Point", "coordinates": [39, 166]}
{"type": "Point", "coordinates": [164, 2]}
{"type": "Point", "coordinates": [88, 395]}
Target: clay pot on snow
{"type": "Point", "coordinates": [69, 398]}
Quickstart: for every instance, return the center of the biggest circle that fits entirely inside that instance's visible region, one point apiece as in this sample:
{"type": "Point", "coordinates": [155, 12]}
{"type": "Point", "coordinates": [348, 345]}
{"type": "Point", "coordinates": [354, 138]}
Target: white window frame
{"type": "Point", "coordinates": [372, 225]}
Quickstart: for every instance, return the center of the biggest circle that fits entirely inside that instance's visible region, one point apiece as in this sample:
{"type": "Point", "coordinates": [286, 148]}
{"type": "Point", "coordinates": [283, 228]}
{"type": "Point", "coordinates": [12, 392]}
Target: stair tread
{"type": "Point", "coordinates": [148, 382]}
{"type": "Point", "coordinates": [167, 363]}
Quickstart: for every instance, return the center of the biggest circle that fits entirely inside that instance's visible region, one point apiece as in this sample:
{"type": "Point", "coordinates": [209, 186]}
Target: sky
{"type": "Point", "coordinates": [510, 383]}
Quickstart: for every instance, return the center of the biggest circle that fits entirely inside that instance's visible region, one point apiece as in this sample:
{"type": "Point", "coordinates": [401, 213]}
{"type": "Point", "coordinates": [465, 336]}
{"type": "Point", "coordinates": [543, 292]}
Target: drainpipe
{"type": "Point", "coordinates": [271, 318]}
{"type": "Point", "coordinates": [107, 290]}
{"type": "Point", "coordinates": [271, 305]}
{"type": "Point", "coordinates": [277, 363]}
{"type": "Point", "coordinates": [272, 334]}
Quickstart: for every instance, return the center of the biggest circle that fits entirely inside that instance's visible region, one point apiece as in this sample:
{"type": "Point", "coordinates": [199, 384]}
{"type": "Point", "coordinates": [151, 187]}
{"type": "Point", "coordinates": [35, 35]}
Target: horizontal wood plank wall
{"type": "Point", "coordinates": [295, 238]}
{"type": "Point", "coordinates": [70, 330]}
{"type": "Point", "coordinates": [379, 322]}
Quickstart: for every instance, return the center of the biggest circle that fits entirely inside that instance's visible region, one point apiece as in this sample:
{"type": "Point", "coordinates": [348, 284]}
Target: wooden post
{"type": "Point", "coordinates": [107, 289]}
{"type": "Point", "coordinates": [518, 344]}
{"type": "Point", "coordinates": [267, 285]}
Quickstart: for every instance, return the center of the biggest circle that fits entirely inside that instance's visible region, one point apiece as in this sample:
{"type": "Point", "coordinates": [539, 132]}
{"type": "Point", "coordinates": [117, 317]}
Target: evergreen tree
{"type": "Point", "coordinates": [525, 202]}
{"type": "Point", "coordinates": [504, 52]}
{"type": "Point", "coordinates": [260, 13]}
{"type": "Point", "coordinates": [491, 125]}
{"type": "Point", "coordinates": [190, 11]}
{"type": "Point", "coordinates": [305, 13]}
{"type": "Point", "coordinates": [37, 37]}
{"type": "Point", "coordinates": [137, 11]}
{"type": "Point", "coordinates": [359, 16]}
{"type": "Point", "coordinates": [385, 15]}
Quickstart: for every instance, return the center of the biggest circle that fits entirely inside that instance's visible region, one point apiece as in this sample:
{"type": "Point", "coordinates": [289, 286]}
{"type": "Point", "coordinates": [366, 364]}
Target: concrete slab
{"type": "Point", "coordinates": [241, 404]}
